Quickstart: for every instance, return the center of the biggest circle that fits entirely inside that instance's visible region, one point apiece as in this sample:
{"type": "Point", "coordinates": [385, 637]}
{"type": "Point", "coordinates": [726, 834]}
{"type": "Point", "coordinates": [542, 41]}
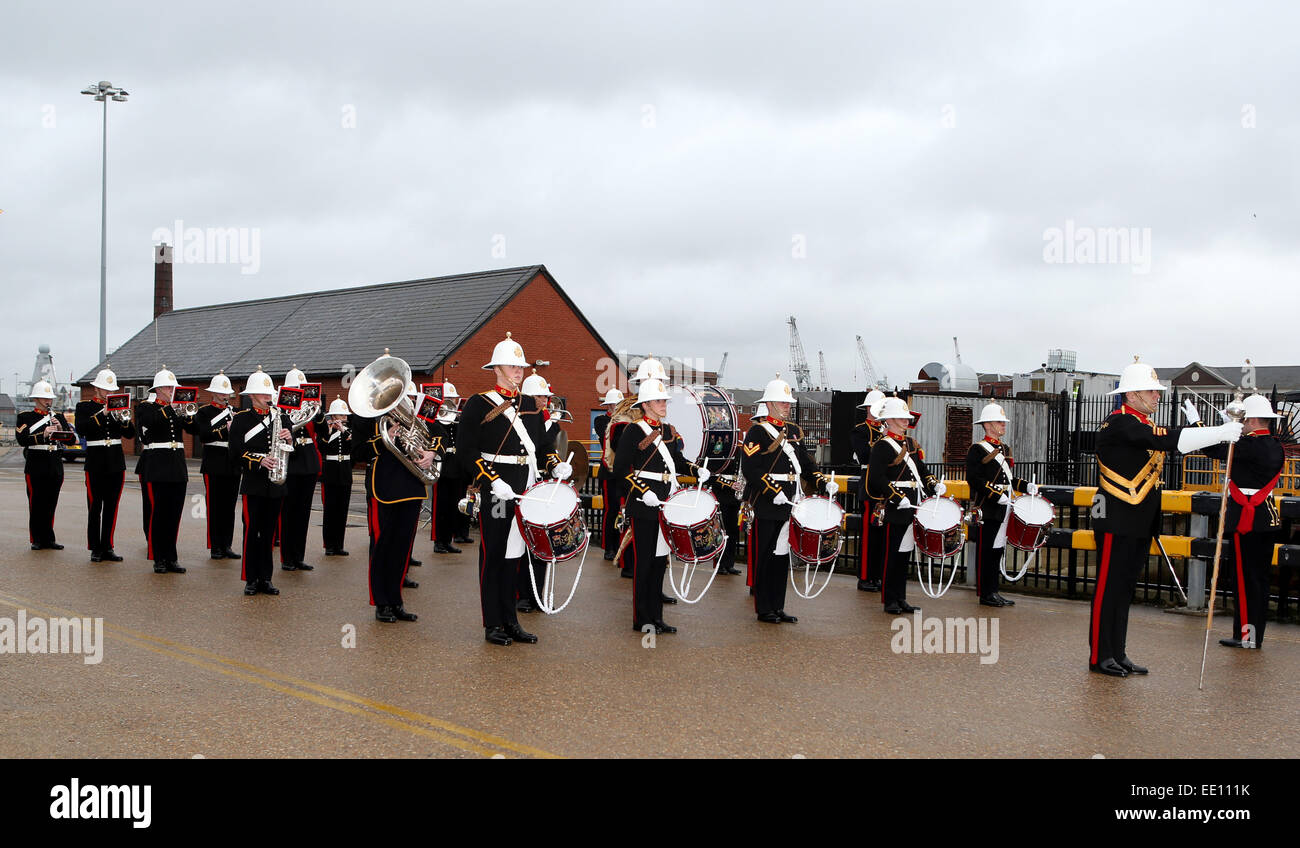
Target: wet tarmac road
{"type": "Point", "coordinates": [192, 667]}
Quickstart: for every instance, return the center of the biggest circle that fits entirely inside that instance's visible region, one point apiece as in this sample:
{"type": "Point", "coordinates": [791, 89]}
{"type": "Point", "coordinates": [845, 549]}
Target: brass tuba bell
{"type": "Point", "coordinates": [379, 391]}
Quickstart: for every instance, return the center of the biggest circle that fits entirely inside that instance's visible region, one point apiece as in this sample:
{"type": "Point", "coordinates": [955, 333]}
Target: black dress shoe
{"type": "Point", "coordinates": [609, 556]}
{"type": "Point", "coordinates": [302, 566]}
{"type": "Point", "coordinates": [667, 599]}
{"type": "Point", "coordinates": [728, 570]}
{"type": "Point", "coordinates": [661, 627]}
{"type": "Point", "coordinates": [464, 540]}
{"type": "Point", "coordinates": [402, 615]}
{"type": "Point", "coordinates": [217, 554]}
{"type": "Point", "coordinates": [289, 566]}
{"type": "Point", "coordinates": [520, 635]}
{"type": "Point", "coordinates": [96, 556]}
{"type": "Point", "coordinates": [54, 546]}
{"type": "Point", "coordinates": [991, 601]}
{"type": "Point", "coordinates": [408, 583]}
{"type": "Point", "coordinates": [1230, 643]}
{"type": "Point", "coordinates": [175, 568]}
{"type": "Point", "coordinates": [1131, 667]}
{"type": "Point", "coordinates": [1006, 602]}
{"type": "Point", "coordinates": [785, 618]}
{"type": "Point", "coordinates": [267, 589]}
{"type": "Point", "coordinates": [626, 572]}
{"type": "Point", "coordinates": [448, 549]}
{"type": "Point", "coordinates": [497, 636]}
{"type": "Point", "coordinates": [37, 546]}
{"type": "Point", "coordinates": [385, 614]}
{"type": "Point", "coordinates": [250, 587]}
{"type": "Point", "coordinates": [769, 618]}
{"type": "Point", "coordinates": [893, 609]}
{"type": "Point", "coordinates": [415, 561]}
{"type": "Point", "coordinates": [1110, 667]}
{"type": "Point", "coordinates": [159, 567]}
{"type": "Point", "coordinates": [526, 605]}
{"type": "Point", "coordinates": [110, 556]}
{"type": "Point", "coordinates": [329, 552]}
{"type": "Point", "coordinates": [868, 585]}
{"type": "Point", "coordinates": [229, 554]}
{"type": "Point", "coordinates": [906, 607]}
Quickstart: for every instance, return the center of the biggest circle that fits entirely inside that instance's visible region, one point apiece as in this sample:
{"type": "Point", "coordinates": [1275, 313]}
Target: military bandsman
{"type": "Point", "coordinates": [162, 428]}
{"type": "Point", "coordinates": [105, 464]}
{"type": "Point", "coordinates": [260, 440]}
{"type": "Point", "coordinates": [990, 473]}
{"type": "Point", "coordinates": [40, 431]}
{"type": "Point", "coordinates": [871, 544]}
{"type": "Point", "coordinates": [219, 468]}
{"type": "Point", "coordinates": [334, 443]}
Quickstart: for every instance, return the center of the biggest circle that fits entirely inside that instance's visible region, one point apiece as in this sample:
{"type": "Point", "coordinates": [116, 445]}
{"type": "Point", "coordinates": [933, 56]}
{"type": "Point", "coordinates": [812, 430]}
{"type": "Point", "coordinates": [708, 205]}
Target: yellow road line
{"type": "Point", "coordinates": [245, 671]}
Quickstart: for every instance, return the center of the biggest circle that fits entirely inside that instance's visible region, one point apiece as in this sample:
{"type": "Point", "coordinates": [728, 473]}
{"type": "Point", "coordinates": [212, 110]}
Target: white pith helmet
{"type": "Point", "coordinates": [760, 411]}
{"type": "Point", "coordinates": [259, 383]}
{"type": "Point", "coordinates": [992, 412]}
{"type": "Point", "coordinates": [1138, 377]}
{"type": "Point", "coordinates": [105, 380]}
{"type": "Point", "coordinates": [507, 352]}
{"type": "Point", "coordinates": [611, 397]}
{"type": "Point", "coordinates": [535, 385]}
{"type": "Point", "coordinates": [163, 379]}
{"type": "Point", "coordinates": [1257, 406]}
{"type": "Point", "coordinates": [652, 389]}
{"type": "Point", "coordinates": [220, 384]}
{"type": "Point", "coordinates": [339, 407]}
{"type": "Point", "coordinates": [650, 369]}
{"type": "Point", "coordinates": [294, 378]}
{"type": "Point", "coordinates": [778, 391]}
{"type": "Point", "coordinates": [42, 389]}
{"type": "Point", "coordinates": [872, 402]}
{"type": "Point", "coordinates": [894, 407]}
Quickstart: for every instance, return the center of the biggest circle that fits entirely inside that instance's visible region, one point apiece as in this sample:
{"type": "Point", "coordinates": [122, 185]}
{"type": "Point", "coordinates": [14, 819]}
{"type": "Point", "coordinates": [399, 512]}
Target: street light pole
{"type": "Point", "coordinates": [102, 91]}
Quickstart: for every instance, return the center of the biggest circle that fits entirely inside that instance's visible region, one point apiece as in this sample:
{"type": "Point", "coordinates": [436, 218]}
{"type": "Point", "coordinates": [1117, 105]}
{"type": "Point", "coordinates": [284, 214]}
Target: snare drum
{"type": "Point", "coordinates": [692, 525]}
{"type": "Point", "coordinates": [815, 529]}
{"type": "Point", "coordinates": [549, 516]}
{"type": "Point", "coordinates": [937, 528]}
{"type": "Point", "coordinates": [1028, 521]}
{"type": "Point", "coordinates": [706, 418]}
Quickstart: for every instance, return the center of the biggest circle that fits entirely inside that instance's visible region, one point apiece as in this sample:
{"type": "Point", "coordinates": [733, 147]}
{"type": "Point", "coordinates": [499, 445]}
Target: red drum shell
{"type": "Point", "coordinates": [1028, 526]}
{"type": "Point", "coordinates": [699, 537]}
{"type": "Point", "coordinates": [559, 533]}
{"type": "Point", "coordinates": [944, 537]}
{"type": "Point", "coordinates": [813, 545]}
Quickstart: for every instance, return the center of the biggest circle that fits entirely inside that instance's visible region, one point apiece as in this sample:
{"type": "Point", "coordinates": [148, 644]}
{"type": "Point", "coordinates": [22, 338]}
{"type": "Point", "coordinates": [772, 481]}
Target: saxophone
{"type": "Point", "coordinates": [278, 450]}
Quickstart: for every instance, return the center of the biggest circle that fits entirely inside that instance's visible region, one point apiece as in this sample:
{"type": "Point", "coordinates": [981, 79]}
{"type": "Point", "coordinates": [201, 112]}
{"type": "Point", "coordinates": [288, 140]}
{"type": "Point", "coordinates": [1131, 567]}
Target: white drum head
{"type": "Point", "coordinates": [687, 418]}
{"type": "Point", "coordinates": [689, 507]}
{"type": "Point", "coordinates": [549, 502]}
{"type": "Point", "coordinates": [817, 514]}
{"type": "Point", "coordinates": [1033, 510]}
{"type": "Point", "coordinates": [938, 514]}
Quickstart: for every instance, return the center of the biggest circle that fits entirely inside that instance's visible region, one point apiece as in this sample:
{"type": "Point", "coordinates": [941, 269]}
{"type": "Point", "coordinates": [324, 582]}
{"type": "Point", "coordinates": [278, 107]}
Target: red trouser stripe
{"type": "Point", "coordinates": [90, 502]}
{"type": "Point", "coordinates": [28, 478]}
{"type": "Point", "coordinates": [243, 565]}
{"type": "Point", "coordinates": [374, 532]}
{"type": "Point", "coordinates": [153, 513]}
{"type": "Point", "coordinates": [207, 505]}
{"type": "Point", "coordinates": [112, 527]}
{"type": "Point", "coordinates": [1098, 597]}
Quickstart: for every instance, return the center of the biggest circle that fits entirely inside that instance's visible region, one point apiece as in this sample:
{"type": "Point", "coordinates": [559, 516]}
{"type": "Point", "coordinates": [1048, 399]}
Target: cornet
{"type": "Point", "coordinates": [559, 413]}
{"type": "Point", "coordinates": [123, 416]}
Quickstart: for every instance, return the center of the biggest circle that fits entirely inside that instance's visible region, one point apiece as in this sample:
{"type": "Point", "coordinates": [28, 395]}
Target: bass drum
{"type": "Point", "coordinates": [705, 416]}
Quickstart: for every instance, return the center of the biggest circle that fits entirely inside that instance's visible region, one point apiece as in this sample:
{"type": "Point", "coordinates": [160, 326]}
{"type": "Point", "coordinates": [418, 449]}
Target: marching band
{"type": "Point", "coordinates": [499, 460]}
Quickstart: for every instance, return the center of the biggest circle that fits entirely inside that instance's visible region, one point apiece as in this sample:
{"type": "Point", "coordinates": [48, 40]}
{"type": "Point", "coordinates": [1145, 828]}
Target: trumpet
{"type": "Point", "coordinates": [559, 413]}
{"type": "Point", "coordinates": [123, 416]}
{"type": "Point", "coordinates": [187, 409]}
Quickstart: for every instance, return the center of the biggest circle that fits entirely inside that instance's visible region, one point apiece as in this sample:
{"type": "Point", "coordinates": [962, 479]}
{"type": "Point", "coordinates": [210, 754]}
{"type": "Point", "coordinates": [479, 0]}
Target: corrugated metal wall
{"type": "Point", "coordinates": [1027, 433]}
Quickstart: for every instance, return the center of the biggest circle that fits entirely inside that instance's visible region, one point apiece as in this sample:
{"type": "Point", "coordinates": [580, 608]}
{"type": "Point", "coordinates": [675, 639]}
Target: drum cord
{"type": "Point", "coordinates": [927, 585]}
{"type": "Point", "coordinates": [688, 574]}
{"type": "Point", "coordinates": [810, 577]}
{"type": "Point", "coordinates": [546, 598]}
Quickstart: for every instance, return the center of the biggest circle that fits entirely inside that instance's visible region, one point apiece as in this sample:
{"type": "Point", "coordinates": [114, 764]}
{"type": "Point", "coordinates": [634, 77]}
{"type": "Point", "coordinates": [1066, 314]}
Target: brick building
{"type": "Point", "coordinates": [444, 327]}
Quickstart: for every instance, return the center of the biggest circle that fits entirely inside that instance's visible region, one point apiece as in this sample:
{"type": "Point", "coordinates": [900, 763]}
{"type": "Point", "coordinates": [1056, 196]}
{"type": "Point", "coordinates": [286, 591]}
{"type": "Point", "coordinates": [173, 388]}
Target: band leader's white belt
{"type": "Point", "coordinates": [344, 456]}
{"type": "Point", "coordinates": [103, 443]}
{"type": "Point", "coordinates": [302, 440]}
{"type": "Point", "coordinates": [217, 445]}
{"type": "Point", "coordinates": [661, 476]}
{"type": "Point", "coordinates": [43, 447]}
{"type": "Point", "coordinates": [1248, 492]}
{"type": "Point", "coordinates": [165, 446]}
{"type": "Point", "coordinates": [509, 460]}
{"type": "Point", "coordinates": [904, 484]}
{"type": "Point", "coordinates": [782, 478]}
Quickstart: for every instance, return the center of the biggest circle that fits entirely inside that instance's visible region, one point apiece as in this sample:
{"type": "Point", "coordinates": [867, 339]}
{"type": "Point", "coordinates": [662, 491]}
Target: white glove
{"type": "Point", "coordinates": [780, 499]}
{"type": "Point", "coordinates": [940, 489]}
{"type": "Point", "coordinates": [1189, 410]}
{"type": "Point", "coordinates": [1192, 439]}
{"type": "Point", "coordinates": [1003, 500]}
{"type": "Point", "coordinates": [501, 490]}
{"type": "Point", "coordinates": [906, 504]}
{"type": "Point", "coordinates": [562, 471]}
{"type": "Point", "coordinates": [650, 498]}
{"type": "Point", "coordinates": [702, 474]}
{"type": "Point", "coordinates": [832, 488]}
{"type": "Point", "coordinates": [1033, 489]}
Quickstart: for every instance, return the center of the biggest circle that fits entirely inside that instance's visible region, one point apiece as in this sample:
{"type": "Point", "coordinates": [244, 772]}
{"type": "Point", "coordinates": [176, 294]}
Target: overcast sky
{"type": "Point", "coordinates": [691, 173]}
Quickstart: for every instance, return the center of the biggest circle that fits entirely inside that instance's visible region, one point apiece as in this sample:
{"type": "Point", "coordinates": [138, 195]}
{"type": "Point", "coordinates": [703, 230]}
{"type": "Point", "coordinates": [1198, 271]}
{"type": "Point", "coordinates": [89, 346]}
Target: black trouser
{"type": "Point", "coordinates": [1119, 564]}
{"type": "Point", "coordinates": [146, 505]}
{"type": "Point", "coordinates": [448, 521]}
{"type": "Point", "coordinates": [988, 560]}
{"type": "Point", "coordinates": [103, 494]}
{"type": "Point", "coordinates": [729, 507]}
{"type": "Point", "coordinates": [168, 500]}
{"type": "Point", "coordinates": [871, 547]}
{"type": "Point", "coordinates": [335, 499]}
{"type": "Point", "coordinates": [647, 571]}
{"type": "Point", "coordinates": [394, 527]}
{"type": "Point", "coordinates": [893, 580]}
{"type": "Point", "coordinates": [609, 495]}
{"type": "Point", "coordinates": [770, 569]}
{"type": "Point", "coordinates": [496, 574]}
{"type": "Point", "coordinates": [261, 515]}
{"type": "Point", "coordinates": [221, 497]}
{"type": "Point", "coordinates": [524, 583]}
{"type": "Point", "coordinates": [1252, 560]}
{"type": "Point", "coordinates": [42, 500]}
{"type": "Point", "coordinates": [299, 491]}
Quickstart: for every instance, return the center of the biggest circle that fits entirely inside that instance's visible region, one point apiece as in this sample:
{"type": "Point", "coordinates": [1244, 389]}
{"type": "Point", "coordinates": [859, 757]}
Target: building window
{"type": "Point", "coordinates": [1037, 384]}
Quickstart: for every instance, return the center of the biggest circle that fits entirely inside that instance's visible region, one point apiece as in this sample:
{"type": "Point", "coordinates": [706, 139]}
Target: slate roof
{"type": "Point", "coordinates": [1285, 377]}
{"type": "Point", "coordinates": [422, 321]}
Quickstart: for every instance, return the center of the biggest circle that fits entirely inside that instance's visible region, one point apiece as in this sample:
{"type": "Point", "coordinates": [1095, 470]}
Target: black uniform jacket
{"type": "Point", "coordinates": [1256, 462]}
{"type": "Point", "coordinates": [638, 452]}
{"type": "Point", "coordinates": [250, 439]}
{"type": "Point", "coordinates": [161, 424]}
{"type": "Point", "coordinates": [331, 443]}
{"type": "Point", "coordinates": [485, 428]}
{"type": "Point", "coordinates": [32, 429]}
{"type": "Point", "coordinates": [763, 460]}
{"type": "Point", "coordinates": [988, 482]}
{"type": "Point", "coordinates": [95, 424]}
{"type": "Point", "coordinates": [863, 439]}
{"type": "Point", "coordinates": [1131, 452]}
{"type": "Point", "coordinates": [890, 481]}
{"type": "Point", "coordinates": [212, 424]}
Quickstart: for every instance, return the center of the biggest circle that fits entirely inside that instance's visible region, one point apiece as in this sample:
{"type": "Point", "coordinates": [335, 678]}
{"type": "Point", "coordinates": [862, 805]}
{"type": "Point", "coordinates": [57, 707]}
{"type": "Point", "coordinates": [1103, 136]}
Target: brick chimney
{"type": "Point", "coordinates": [162, 279]}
